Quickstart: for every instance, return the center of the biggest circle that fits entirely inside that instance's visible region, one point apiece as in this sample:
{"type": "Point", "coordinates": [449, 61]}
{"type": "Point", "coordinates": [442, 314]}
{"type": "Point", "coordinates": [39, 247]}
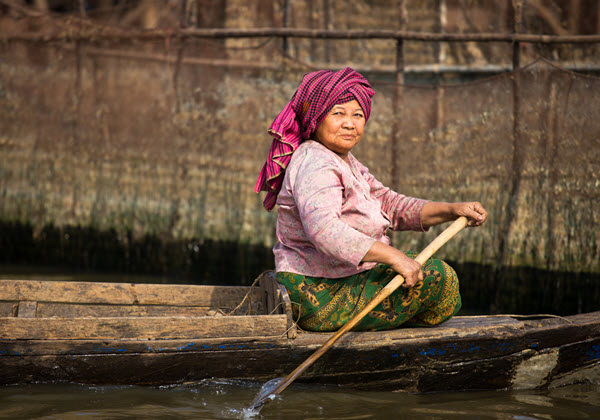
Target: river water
{"type": "Point", "coordinates": [229, 400]}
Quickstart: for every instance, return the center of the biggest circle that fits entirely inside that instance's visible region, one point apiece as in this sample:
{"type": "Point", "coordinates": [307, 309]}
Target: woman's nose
{"type": "Point", "coordinates": [348, 123]}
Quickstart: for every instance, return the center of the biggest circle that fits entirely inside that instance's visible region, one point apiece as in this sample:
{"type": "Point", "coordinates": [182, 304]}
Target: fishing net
{"type": "Point", "coordinates": [164, 138]}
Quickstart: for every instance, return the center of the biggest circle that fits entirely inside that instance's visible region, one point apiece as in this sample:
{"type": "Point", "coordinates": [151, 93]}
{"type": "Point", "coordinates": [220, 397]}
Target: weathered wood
{"type": "Point", "coordinates": [270, 293]}
{"type": "Point", "coordinates": [292, 329]}
{"type": "Point", "coordinates": [68, 310]}
{"type": "Point", "coordinates": [27, 309]}
{"type": "Point", "coordinates": [463, 327]}
{"type": "Point", "coordinates": [276, 300]}
{"type": "Point", "coordinates": [8, 308]}
{"type": "Point", "coordinates": [141, 328]}
{"type": "Point", "coordinates": [124, 294]}
{"type": "Point", "coordinates": [90, 33]}
{"type": "Point", "coordinates": [474, 352]}
{"type": "Point", "coordinates": [93, 346]}
{"type": "Point", "coordinates": [365, 361]}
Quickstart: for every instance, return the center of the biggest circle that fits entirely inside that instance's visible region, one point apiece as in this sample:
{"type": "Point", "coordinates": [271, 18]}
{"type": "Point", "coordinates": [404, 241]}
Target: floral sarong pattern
{"type": "Point", "coordinates": [322, 304]}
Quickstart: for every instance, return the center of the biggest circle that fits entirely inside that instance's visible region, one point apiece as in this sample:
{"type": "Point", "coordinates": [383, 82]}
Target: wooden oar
{"type": "Point", "coordinates": [396, 282]}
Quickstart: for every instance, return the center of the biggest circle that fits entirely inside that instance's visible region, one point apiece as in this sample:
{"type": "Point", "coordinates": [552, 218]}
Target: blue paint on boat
{"type": "Point", "coordinates": [111, 350]}
{"type": "Point", "coordinates": [432, 352]}
{"type": "Point", "coordinates": [594, 352]}
{"type": "Point", "coordinates": [190, 346]}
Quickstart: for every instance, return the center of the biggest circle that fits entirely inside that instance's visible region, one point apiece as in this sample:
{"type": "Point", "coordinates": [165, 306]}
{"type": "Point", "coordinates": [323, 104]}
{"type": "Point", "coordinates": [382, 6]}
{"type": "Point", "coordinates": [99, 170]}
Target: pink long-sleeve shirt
{"type": "Point", "coordinates": [331, 213]}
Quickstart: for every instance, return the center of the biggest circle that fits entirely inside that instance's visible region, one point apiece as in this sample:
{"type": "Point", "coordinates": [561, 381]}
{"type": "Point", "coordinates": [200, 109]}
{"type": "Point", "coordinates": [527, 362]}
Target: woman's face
{"type": "Point", "coordinates": [342, 128]}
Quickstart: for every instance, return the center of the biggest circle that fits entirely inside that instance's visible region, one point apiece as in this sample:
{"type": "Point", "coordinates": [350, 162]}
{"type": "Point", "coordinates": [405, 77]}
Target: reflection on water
{"type": "Point", "coordinates": [229, 399]}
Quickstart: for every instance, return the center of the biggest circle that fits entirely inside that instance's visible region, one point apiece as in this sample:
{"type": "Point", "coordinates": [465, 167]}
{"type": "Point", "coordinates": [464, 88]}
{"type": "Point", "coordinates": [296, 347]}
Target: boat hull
{"type": "Point", "coordinates": [503, 354]}
{"type": "Point", "coordinates": [118, 334]}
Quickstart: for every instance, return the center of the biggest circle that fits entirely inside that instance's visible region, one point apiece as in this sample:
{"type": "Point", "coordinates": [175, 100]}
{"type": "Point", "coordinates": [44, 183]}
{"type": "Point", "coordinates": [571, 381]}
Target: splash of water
{"type": "Point", "coordinates": [264, 395]}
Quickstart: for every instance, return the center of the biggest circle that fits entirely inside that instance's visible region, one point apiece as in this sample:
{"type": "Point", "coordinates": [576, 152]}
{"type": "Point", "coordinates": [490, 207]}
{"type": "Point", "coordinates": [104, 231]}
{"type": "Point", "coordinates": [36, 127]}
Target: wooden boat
{"type": "Point", "coordinates": [115, 333]}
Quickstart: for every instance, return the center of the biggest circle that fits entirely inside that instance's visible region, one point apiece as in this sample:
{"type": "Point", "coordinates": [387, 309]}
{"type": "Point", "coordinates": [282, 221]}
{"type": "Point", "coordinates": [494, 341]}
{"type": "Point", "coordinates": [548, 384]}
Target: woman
{"type": "Point", "coordinates": [333, 254]}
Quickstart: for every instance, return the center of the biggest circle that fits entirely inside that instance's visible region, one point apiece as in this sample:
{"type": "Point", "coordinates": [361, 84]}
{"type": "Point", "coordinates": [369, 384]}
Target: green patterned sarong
{"type": "Point", "coordinates": [322, 304]}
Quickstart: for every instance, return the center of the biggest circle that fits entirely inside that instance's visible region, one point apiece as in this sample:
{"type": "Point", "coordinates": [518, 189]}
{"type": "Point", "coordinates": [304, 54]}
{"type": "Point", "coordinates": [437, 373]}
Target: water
{"type": "Point", "coordinates": [229, 399]}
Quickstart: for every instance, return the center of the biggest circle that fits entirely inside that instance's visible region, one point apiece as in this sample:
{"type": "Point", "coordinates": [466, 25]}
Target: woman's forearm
{"type": "Point", "coordinates": [437, 212]}
{"type": "Point", "coordinates": [397, 260]}
{"type": "Point", "coordinates": [382, 253]}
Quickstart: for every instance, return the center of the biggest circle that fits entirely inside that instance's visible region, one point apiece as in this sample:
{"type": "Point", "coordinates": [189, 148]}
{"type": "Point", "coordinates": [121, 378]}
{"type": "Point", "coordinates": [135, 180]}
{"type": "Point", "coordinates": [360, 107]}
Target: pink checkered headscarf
{"type": "Point", "coordinates": [316, 96]}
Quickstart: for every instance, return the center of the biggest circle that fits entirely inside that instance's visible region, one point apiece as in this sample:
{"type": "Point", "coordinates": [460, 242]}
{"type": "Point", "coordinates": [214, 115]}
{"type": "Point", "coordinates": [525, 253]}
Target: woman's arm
{"type": "Point", "coordinates": [437, 212]}
{"type": "Point", "coordinates": [434, 213]}
{"type": "Point", "coordinates": [397, 260]}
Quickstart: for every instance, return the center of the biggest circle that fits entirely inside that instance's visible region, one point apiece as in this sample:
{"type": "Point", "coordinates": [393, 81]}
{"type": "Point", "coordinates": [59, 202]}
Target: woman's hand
{"type": "Point", "coordinates": [397, 260]}
{"type": "Point", "coordinates": [409, 269]}
{"type": "Point", "coordinates": [436, 212]}
{"type": "Point", "coordinates": [473, 211]}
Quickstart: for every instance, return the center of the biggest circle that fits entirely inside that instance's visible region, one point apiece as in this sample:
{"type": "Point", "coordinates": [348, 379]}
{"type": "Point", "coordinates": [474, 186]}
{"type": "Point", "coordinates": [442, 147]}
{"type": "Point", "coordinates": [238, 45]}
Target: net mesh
{"type": "Point", "coordinates": [167, 137]}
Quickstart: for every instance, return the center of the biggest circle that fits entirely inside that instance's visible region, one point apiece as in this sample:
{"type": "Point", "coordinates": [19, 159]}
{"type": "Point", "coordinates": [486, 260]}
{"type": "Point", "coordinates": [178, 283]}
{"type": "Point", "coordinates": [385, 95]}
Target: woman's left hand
{"type": "Point", "coordinates": [473, 211]}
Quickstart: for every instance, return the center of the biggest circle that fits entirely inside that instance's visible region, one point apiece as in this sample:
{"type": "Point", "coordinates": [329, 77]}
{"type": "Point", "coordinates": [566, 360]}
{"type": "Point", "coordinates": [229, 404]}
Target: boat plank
{"type": "Point", "coordinates": [8, 309]}
{"type": "Point", "coordinates": [95, 347]}
{"type": "Point", "coordinates": [160, 328]}
{"type": "Point", "coordinates": [125, 294]}
{"type": "Point", "coordinates": [484, 361]}
{"type": "Point", "coordinates": [119, 293]}
{"type": "Point", "coordinates": [69, 310]}
{"type": "Point", "coordinates": [255, 361]}
{"type": "Point", "coordinates": [27, 309]}
{"type": "Point", "coordinates": [480, 326]}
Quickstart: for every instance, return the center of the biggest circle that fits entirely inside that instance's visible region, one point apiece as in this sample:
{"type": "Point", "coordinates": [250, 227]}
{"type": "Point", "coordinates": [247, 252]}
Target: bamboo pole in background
{"type": "Point", "coordinates": [398, 93]}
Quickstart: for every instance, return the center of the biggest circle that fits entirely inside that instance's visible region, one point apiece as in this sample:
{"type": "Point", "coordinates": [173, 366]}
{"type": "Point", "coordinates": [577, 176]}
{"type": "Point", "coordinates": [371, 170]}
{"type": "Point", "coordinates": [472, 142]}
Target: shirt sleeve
{"type": "Point", "coordinates": [318, 192]}
{"type": "Point", "coordinates": [404, 212]}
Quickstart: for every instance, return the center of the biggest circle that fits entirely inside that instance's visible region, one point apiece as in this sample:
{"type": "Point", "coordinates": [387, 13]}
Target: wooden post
{"type": "Point", "coordinates": [551, 173]}
{"type": "Point", "coordinates": [598, 20]}
{"type": "Point", "coordinates": [311, 24]}
{"type": "Point", "coordinates": [517, 143]}
{"type": "Point", "coordinates": [78, 79]}
{"type": "Point", "coordinates": [518, 28]}
{"type": "Point", "coordinates": [82, 8]}
{"type": "Point", "coordinates": [41, 5]}
{"type": "Point", "coordinates": [286, 6]}
{"type": "Point", "coordinates": [326, 26]}
{"type": "Point", "coordinates": [398, 94]}
{"type": "Point", "coordinates": [517, 158]}
{"type": "Point", "coordinates": [440, 59]}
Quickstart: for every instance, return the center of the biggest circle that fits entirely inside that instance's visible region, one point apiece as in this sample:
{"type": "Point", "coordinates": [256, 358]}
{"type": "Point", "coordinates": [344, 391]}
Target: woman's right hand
{"type": "Point", "coordinates": [397, 260]}
{"type": "Point", "coordinates": [407, 268]}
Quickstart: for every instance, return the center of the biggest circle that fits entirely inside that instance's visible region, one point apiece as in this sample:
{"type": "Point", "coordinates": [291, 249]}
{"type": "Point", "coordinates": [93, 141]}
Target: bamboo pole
{"type": "Point", "coordinates": [327, 17]}
{"type": "Point", "coordinates": [245, 64]}
{"type": "Point", "coordinates": [286, 16]}
{"type": "Point", "coordinates": [514, 182]}
{"type": "Point", "coordinates": [97, 33]}
{"type": "Point", "coordinates": [440, 57]}
{"type": "Point", "coordinates": [398, 94]}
